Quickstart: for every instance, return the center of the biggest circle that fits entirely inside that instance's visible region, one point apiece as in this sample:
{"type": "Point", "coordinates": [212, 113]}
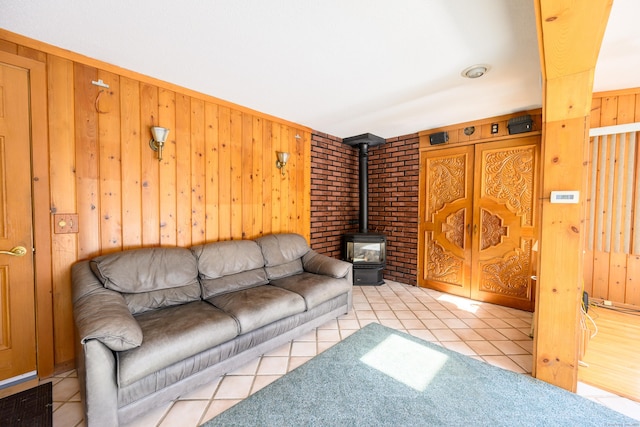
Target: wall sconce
{"type": "Point", "coordinates": [159, 137]}
{"type": "Point", "coordinates": [282, 160]}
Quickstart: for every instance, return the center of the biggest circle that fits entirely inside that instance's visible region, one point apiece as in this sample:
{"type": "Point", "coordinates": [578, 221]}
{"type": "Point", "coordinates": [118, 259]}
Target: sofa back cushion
{"type": "Point", "coordinates": [150, 278]}
{"type": "Point", "coordinates": [229, 266]}
{"type": "Point", "coordinates": [283, 254]}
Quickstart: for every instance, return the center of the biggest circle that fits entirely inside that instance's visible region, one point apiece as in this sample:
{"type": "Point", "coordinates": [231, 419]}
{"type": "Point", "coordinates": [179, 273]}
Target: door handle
{"type": "Point", "coordinates": [475, 228]}
{"type": "Point", "coordinates": [17, 251]}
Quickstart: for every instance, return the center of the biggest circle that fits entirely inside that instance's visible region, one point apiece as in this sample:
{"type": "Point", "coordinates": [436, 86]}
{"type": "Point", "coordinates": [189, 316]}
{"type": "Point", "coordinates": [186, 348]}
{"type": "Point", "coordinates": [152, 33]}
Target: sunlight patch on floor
{"type": "Point", "coordinates": [461, 303]}
{"type": "Point", "coordinates": [406, 361]}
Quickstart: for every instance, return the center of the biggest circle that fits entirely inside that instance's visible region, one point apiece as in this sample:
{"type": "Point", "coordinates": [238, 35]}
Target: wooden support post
{"type": "Point", "coordinates": [570, 36]}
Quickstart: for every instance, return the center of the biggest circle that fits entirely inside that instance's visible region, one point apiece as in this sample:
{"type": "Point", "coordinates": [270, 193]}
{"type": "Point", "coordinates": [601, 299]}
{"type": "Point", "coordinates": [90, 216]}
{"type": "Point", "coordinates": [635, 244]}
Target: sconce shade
{"type": "Point", "coordinates": [282, 160]}
{"type": "Point", "coordinates": [282, 157]}
{"type": "Point", "coordinates": [159, 134]}
{"type": "Point", "coordinates": [159, 137]}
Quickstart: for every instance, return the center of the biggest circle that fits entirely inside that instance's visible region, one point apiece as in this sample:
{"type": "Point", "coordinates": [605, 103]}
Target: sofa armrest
{"type": "Point", "coordinates": [96, 366]}
{"type": "Point", "coordinates": [314, 262]}
{"type": "Point", "coordinates": [100, 313]}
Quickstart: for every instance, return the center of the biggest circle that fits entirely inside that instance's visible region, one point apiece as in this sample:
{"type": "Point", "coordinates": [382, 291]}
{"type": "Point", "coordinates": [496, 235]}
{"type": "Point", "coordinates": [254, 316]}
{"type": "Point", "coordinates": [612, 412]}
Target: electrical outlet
{"type": "Point", "coordinates": [607, 303]}
{"type": "Point", "coordinates": [494, 128]}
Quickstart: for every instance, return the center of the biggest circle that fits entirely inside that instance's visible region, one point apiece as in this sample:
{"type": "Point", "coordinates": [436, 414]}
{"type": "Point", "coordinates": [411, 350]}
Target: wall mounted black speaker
{"type": "Point", "coordinates": [520, 124]}
{"type": "Point", "coordinates": [438, 138]}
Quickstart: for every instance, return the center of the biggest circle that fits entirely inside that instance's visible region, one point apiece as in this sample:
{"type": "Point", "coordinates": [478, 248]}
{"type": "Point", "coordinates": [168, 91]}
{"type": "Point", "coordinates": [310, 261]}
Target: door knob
{"type": "Point", "coordinates": [17, 251]}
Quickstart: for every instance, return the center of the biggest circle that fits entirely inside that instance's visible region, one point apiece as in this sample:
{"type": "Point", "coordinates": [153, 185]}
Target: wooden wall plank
{"type": "Point", "coordinates": [131, 141]}
{"type": "Point", "coordinates": [246, 193]}
{"type": "Point", "coordinates": [183, 170]}
{"type": "Point", "coordinates": [257, 171]}
{"type": "Point", "coordinates": [108, 106]}
{"type": "Point", "coordinates": [198, 203]}
{"type": "Point", "coordinates": [150, 194]}
{"type": "Point", "coordinates": [287, 180]}
{"type": "Point", "coordinates": [632, 286]}
{"type": "Point", "coordinates": [167, 169]}
{"type": "Point", "coordinates": [626, 109]}
{"type": "Point", "coordinates": [617, 277]}
{"type": "Point", "coordinates": [301, 193]}
{"type": "Point", "coordinates": [87, 162]}
{"type": "Point", "coordinates": [235, 142]}
{"type": "Point", "coordinates": [268, 165]}
{"type": "Point", "coordinates": [609, 111]}
{"type": "Point", "coordinates": [596, 108]}
{"type": "Point", "coordinates": [224, 173]}
{"type": "Point", "coordinates": [276, 180]}
{"type": "Point", "coordinates": [600, 281]}
{"type": "Point", "coordinates": [62, 178]}
{"type": "Point", "coordinates": [211, 172]}
{"type": "Point", "coordinates": [304, 192]}
{"type": "Point", "coordinates": [590, 214]}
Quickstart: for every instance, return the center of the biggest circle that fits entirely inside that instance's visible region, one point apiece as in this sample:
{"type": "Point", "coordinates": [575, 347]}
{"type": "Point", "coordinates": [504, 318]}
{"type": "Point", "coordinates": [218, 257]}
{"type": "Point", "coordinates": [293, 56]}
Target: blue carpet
{"type": "Point", "coordinates": [381, 377]}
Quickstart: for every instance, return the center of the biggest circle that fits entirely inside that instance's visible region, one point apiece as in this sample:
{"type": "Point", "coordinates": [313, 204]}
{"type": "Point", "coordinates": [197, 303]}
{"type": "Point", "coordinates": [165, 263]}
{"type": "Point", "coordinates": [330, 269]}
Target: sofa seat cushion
{"type": "Point", "coordinates": [173, 334]}
{"type": "Point", "coordinates": [314, 288]}
{"type": "Point", "coordinates": [150, 278]}
{"type": "Point", "coordinates": [255, 307]}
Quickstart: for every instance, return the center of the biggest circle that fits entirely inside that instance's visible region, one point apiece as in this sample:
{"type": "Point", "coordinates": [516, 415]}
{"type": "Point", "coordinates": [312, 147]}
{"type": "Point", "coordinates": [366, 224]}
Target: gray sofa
{"type": "Point", "coordinates": [154, 323]}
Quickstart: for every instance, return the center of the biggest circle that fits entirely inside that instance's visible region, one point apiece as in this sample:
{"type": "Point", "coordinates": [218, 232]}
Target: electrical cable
{"type": "Point", "coordinates": [583, 323]}
{"type": "Point", "coordinates": [625, 310]}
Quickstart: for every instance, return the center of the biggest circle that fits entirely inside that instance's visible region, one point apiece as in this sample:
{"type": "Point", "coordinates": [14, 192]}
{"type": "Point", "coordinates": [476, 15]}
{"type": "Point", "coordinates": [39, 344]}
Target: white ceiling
{"type": "Point", "coordinates": [344, 67]}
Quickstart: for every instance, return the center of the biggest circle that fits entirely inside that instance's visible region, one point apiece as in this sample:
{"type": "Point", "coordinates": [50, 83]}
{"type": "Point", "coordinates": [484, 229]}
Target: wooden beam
{"type": "Point", "coordinates": [570, 36]}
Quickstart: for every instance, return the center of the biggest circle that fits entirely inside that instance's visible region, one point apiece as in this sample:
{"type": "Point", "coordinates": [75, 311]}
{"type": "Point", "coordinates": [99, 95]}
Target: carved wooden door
{"type": "Point", "coordinates": [477, 221]}
{"type": "Point", "coordinates": [504, 222]}
{"type": "Point", "coordinates": [445, 220]}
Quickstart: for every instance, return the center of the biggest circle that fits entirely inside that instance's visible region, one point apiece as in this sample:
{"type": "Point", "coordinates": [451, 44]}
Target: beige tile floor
{"type": "Point", "coordinates": [496, 335]}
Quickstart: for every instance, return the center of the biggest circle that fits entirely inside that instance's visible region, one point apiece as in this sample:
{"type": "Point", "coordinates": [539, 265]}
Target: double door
{"type": "Point", "coordinates": [478, 221]}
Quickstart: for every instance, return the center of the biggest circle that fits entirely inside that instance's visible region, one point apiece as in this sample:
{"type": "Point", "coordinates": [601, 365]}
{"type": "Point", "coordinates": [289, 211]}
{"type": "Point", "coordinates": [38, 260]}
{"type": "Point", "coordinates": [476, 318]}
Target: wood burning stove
{"type": "Point", "coordinates": [366, 251]}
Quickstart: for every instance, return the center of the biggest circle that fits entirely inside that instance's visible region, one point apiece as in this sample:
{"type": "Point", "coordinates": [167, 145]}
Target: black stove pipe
{"type": "Point", "coordinates": [363, 186]}
{"type": "Point", "coordinates": [363, 142]}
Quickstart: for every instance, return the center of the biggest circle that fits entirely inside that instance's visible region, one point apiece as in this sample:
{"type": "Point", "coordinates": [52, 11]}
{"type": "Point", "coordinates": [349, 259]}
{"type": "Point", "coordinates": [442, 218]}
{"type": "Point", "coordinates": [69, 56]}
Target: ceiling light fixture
{"type": "Point", "coordinates": [475, 71]}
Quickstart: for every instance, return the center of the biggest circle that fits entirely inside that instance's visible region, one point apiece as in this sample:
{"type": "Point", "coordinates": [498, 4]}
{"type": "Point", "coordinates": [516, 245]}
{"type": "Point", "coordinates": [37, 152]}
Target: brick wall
{"type": "Point", "coordinates": [334, 193]}
{"type": "Point", "coordinates": [393, 198]}
{"type": "Point", "coordinates": [394, 169]}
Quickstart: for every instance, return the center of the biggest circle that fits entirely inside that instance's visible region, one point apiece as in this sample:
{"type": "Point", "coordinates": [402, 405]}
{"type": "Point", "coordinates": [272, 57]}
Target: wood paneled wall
{"type": "Point", "coordinates": [217, 180]}
{"type": "Point", "coordinates": [612, 256]}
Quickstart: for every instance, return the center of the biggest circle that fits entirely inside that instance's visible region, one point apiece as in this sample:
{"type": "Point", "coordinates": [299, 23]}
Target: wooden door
{"type": "Point", "coordinates": [504, 222]}
{"type": "Point", "coordinates": [445, 220]}
{"type": "Point", "coordinates": [17, 304]}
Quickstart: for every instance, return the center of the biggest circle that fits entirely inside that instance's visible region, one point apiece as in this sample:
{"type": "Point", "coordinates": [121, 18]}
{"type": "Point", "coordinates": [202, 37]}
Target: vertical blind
{"type": "Point", "coordinates": [614, 190]}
